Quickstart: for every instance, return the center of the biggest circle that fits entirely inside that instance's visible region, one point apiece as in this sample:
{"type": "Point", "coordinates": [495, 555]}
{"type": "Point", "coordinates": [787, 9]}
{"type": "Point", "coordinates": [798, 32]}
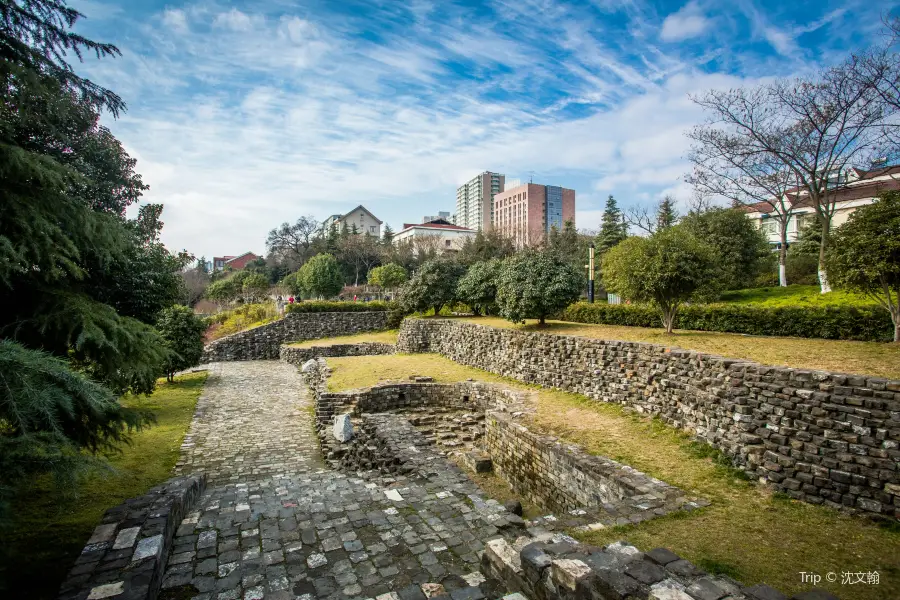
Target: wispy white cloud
{"type": "Point", "coordinates": [687, 23]}
{"type": "Point", "coordinates": [243, 116]}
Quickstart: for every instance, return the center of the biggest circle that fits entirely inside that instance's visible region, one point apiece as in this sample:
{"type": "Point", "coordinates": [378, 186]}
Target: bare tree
{"type": "Point", "coordinates": [427, 246]}
{"type": "Point", "coordinates": [291, 243]}
{"type": "Point", "coordinates": [361, 251]}
{"type": "Point", "coordinates": [729, 163]}
{"type": "Point", "coordinates": [805, 131]}
{"type": "Point", "coordinates": [641, 217]}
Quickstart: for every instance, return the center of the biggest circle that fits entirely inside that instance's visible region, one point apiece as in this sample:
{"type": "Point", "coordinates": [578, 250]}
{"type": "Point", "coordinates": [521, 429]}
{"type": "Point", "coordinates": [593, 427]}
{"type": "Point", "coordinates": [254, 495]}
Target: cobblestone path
{"type": "Point", "coordinates": [252, 421]}
{"type": "Point", "coordinates": [275, 524]}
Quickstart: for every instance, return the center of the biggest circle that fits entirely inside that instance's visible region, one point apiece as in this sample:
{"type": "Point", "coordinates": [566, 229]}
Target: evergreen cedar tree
{"type": "Point", "coordinates": [613, 228]}
{"type": "Point", "coordinates": [82, 284]}
{"type": "Point", "coordinates": [865, 254]}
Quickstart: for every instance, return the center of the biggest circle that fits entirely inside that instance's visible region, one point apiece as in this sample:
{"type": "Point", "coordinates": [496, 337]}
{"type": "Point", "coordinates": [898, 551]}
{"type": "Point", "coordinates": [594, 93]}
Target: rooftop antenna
{"type": "Point", "coordinates": [530, 176]}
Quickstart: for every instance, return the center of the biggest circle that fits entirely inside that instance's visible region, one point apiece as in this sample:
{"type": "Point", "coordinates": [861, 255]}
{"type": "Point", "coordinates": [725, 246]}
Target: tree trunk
{"type": "Point", "coordinates": [668, 318]}
{"type": "Point", "coordinates": [782, 258]}
{"type": "Point", "coordinates": [823, 276]}
{"type": "Point", "coordinates": [542, 321]}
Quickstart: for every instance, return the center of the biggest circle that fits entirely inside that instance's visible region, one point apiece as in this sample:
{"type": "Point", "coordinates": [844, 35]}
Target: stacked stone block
{"type": "Point", "coordinates": [126, 556]}
{"type": "Point", "coordinates": [825, 438]}
{"type": "Point", "coordinates": [563, 477]}
{"type": "Point", "coordinates": [547, 567]}
{"type": "Point", "coordinates": [264, 342]}
{"type": "Point", "coordinates": [298, 356]}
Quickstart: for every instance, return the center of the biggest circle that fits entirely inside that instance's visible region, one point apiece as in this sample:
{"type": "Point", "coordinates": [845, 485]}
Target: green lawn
{"type": "Point", "coordinates": [843, 356]}
{"type": "Point", "coordinates": [747, 532]}
{"type": "Point", "coordinates": [47, 534]}
{"type": "Point", "coordinates": [795, 295]}
{"type": "Point", "coordinates": [384, 337]}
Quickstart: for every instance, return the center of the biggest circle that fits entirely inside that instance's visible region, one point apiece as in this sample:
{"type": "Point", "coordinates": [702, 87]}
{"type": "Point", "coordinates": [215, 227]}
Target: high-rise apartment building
{"type": "Point", "coordinates": [475, 200]}
{"type": "Point", "coordinates": [529, 211]}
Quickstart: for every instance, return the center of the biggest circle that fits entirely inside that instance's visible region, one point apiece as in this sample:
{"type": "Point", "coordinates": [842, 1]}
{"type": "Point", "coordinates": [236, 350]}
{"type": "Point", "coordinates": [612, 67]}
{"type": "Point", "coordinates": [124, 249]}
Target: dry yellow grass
{"type": "Point", "coordinates": [867, 358]}
{"type": "Point", "coordinates": [747, 532]}
{"type": "Point", "coordinates": [384, 337]}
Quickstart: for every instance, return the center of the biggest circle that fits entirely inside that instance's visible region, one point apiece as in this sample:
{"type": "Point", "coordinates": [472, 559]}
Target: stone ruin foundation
{"type": "Point", "coordinates": [416, 427]}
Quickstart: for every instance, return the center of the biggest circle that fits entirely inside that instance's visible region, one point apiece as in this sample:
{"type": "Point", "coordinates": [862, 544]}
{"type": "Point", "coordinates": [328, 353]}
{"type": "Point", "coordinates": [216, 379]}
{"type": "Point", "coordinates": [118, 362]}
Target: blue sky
{"type": "Point", "coordinates": [243, 115]}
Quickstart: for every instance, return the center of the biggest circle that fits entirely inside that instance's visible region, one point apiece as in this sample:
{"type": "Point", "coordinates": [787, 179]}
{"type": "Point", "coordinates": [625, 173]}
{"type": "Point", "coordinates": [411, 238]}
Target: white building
{"type": "Point", "coordinates": [475, 200]}
{"type": "Point", "coordinates": [439, 235]}
{"type": "Point", "coordinates": [360, 217]}
{"type": "Point", "coordinates": [862, 188]}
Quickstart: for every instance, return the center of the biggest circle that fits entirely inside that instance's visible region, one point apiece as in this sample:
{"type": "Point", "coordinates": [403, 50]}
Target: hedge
{"type": "Point", "coordinates": [313, 306]}
{"type": "Point", "coordinates": [836, 323]}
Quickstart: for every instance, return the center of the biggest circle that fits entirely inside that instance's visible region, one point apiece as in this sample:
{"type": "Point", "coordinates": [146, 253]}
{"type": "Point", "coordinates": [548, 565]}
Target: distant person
{"type": "Point", "coordinates": [355, 298]}
{"type": "Point", "coordinates": [291, 299]}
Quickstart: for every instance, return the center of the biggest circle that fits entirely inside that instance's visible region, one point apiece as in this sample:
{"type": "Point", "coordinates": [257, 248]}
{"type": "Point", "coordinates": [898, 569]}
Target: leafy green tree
{"type": "Point", "coordinates": [227, 289]}
{"type": "Point", "coordinates": [613, 228]}
{"type": "Point", "coordinates": [667, 269]}
{"type": "Point", "coordinates": [388, 276]}
{"type": "Point", "coordinates": [485, 246]}
{"type": "Point", "coordinates": [808, 241]}
{"type": "Point", "coordinates": [535, 284]}
{"type": "Point", "coordinates": [740, 248]}
{"type": "Point", "coordinates": [183, 335]}
{"type": "Point", "coordinates": [864, 254]}
{"type": "Point", "coordinates": [294, 283]}
{"type": "Point", "coordinates": [478, 287]}
{"type": "Point", "coordinates": [666, 215]}
{"type": "Point", "coordinates": [433, 286]}
{"type": "Point", "coordinates": [321, 276]}
{"type": "Point", "coordinates": [254, 286]}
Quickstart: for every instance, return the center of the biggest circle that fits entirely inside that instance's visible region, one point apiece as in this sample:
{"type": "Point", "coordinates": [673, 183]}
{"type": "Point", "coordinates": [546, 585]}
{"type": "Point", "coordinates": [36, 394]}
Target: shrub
{"type": "Point", "coordinates": [830, 322]}
{"type": "Point", "coordinates": [740, 248]}
{"type": "Point", "coordinates": [183, 335]}
{"type": "Point", "coordinates": [239, 319]}
{"type": "Point", "coordinates": [534, 285]}
{"type": "Point", "coordinates": [314, 306]}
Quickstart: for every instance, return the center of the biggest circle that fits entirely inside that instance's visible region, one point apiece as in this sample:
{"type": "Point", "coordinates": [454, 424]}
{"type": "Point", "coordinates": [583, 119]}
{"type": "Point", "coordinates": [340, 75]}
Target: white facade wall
{"type": "Point", "coordinates": [447, 239]}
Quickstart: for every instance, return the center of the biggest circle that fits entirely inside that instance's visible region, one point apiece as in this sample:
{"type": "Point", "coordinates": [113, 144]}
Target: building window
{"type": "Point", "coordinates": [371, 229]}
{"type": "Point", "coordinates": [769, 227]}
{"type": "Point", "coordinates": [447, 243]}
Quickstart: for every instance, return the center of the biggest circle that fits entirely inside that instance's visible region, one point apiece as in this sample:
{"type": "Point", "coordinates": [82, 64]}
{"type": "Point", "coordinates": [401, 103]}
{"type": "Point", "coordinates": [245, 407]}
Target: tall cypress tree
{"type": "Point", "coordinates": [666, 215]}
{"type": "Point", "coordinates": [613, 228]}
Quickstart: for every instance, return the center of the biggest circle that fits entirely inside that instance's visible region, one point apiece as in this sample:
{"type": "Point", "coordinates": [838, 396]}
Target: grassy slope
{"type": "Point", "coordinates": [49, 534]}
{"type": "Point", "coordinates": [747, 532]}
{"type": "Point", "coordinates": [795, 295]}
{"type": "Point", "coordinates": [384, 337]}
{"type": "Point", "coordinates": [869, 358]}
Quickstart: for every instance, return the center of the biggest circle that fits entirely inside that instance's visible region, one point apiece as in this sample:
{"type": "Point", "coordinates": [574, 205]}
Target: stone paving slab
{"type": "Point", "coordinates": [252, 421]}
{"type": "Point", "coordinates": [274, 524]}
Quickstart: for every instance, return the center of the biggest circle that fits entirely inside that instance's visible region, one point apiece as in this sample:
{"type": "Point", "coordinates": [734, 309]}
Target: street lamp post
{"type": "Point", "coordinates": [591, 274]}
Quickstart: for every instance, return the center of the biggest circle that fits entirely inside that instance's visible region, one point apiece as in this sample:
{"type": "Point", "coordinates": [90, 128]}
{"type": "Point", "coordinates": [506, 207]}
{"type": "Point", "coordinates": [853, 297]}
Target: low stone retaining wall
{"type": "Point", "coordinates": [559, 568]}
{"type": "Point", "coordinates": [126, 556]}
{"type": "Point", "coordinates": [563, 477]}
{"type": "Point", "coordinates": [264, 342]}
{"type": "Point", "coordinates": [825, 438]}
{"type": "Point", "coordinates": [298, 356]}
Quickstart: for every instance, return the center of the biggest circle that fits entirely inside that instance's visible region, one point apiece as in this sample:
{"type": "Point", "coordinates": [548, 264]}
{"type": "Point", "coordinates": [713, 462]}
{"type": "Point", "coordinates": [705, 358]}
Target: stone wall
{"type": "Point", "coordinates": [264, 342]}
{"type": "Point", "coordinates": [563, 477]}
{"type": "Point", "coordinates": [826, 438]}
{"type": "Point", "coordinates": [555, 567]}
{"type": "Point", "coordinates": [126, 556]}
{"type": "Point", "coordinates": [298, 356]}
